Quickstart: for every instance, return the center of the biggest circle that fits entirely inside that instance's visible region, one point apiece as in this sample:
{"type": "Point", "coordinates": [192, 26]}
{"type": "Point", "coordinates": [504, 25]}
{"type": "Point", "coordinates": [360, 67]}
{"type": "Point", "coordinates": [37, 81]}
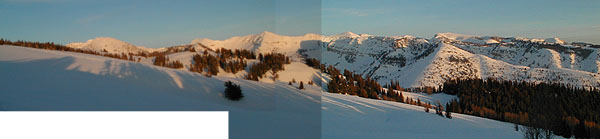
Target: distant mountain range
{"type": "Point", "coordinates": [416, 62]}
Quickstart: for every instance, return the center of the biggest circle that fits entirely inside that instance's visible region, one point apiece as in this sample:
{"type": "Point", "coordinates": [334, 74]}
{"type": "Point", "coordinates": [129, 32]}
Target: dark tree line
{"type": "Point", "coordinates": [228, 60]}
{"type": "Point", "coordinates": [233, 65]}
{"type": "Point", "coordinates": [241, 54]}
{"type": "Point", "coordinates": [393, 95]}
{"type": "Point", "coordinates": [273, 62]}
{"type": "Point", "coordinates": [351, 83]}
{"type": "Point", "coordinates": [426, 89]}
{"type": "Point", "coordinates": [565, 110]}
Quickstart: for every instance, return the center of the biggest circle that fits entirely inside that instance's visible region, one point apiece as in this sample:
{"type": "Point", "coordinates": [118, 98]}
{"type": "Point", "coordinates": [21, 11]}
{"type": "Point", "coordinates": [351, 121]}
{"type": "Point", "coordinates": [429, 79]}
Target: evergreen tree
{"type": "Point", "coordinates": [427, 106]}
{"type": "Point", "coordinates": [301, 85]}
{"type": "Point", "coordinates": [233, 91]}
{"type": "Point", "coordinates": [448, 115]}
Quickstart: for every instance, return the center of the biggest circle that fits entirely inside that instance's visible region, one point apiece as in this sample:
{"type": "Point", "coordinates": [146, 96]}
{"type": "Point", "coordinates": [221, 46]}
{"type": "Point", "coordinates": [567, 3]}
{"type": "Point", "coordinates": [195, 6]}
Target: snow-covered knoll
{"type": "Point", "coordinates": [35, 79]}
{"type": "Point", "coordinates": [354, 117]}
{"type": "Point", "coordinates": [111, 45]}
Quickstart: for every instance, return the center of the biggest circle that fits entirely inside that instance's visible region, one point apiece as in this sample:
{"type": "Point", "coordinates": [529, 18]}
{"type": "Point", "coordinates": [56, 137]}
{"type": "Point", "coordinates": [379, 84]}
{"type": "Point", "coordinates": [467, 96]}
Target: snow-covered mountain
{"type": "Point", "coordinates": [266, 42]}
{"type": "Point", "coordinates": [418, 62]}
{"type": "Point", "coordinates": [110, 45]}
{"type": "Point", "coordinates": [415, 62]}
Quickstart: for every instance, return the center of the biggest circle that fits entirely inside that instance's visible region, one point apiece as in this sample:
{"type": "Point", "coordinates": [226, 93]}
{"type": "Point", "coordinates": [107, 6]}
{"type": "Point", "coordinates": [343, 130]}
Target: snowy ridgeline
{"type": "Point", "coordinates": [418, 62]}
{"type": "Point", "coordinates": [53, 80]}
{"type": "Point", "coordinates": [415, 62]}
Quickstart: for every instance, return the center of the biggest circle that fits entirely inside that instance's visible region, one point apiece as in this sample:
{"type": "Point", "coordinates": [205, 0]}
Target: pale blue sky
{"type": "Point", "coordinates": [156, 23]}
{"type": "Point", "coordinates": [571, 20]}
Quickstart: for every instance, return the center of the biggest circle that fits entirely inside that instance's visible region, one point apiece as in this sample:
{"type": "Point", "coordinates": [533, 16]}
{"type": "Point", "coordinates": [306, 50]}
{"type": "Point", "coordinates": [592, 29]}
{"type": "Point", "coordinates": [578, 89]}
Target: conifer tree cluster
{"type": "Point", "coordinates": [163, 61]}
{"type": "Point", "coordinates": [348, 82]}
{"type": "Point", "coordinates": [241, 54]}
{"type": "Point", "coordinates": [205, 63]}
{"type": "Point", "coordinates": [273, 62]}
{"type": "Point", "coordinates": [228, 60]}
{"type": "Point", "coordinates": [564, 109]}
{"type": "Point", "coordinates": [233, 65]}
{"type": "Point", "coordinates": [392, 94]}
{"type": "Point", "coordinates": [314, 63]}
{"type": "Point", "coordinates": [353, 84]}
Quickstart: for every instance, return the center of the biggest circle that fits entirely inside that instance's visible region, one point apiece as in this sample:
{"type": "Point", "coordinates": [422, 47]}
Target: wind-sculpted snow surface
{"type": "Point", "coordinates": [34, 79]}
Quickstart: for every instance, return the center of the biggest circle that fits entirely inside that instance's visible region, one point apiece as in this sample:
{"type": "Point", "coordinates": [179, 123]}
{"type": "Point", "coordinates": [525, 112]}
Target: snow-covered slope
{"type": "Point", "coordinates": [417, 62]}
{"type": "Point", "coordinates": [111, 45]}
{"type": "Point", "coordinates": [35, 79]}
{"type": "Point", "coordinates": [354, 117]}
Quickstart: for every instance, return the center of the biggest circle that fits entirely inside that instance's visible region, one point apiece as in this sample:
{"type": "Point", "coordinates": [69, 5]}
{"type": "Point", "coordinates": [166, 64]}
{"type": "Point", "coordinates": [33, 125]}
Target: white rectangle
{"type": "Point", "coordinates": [114, 125]}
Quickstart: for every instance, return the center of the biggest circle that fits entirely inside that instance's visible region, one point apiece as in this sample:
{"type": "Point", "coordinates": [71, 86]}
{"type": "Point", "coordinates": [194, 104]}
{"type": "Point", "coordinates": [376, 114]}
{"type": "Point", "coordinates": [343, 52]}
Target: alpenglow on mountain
{"type": "Point", "coordinates": [418, 62]}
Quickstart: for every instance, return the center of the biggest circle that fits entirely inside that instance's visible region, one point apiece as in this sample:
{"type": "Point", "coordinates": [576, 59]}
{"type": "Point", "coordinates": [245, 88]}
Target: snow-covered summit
{"type": "Point", "coordinates": [111, 45]}
{"type": "Point", "coordinates": [264, 42]}
{"type": "Point", "coordinates": [466, 38]}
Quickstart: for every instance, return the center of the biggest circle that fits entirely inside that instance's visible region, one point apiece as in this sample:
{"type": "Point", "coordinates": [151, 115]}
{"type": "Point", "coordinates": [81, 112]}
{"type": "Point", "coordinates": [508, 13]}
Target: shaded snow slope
{"type": "Point", "coordinates": [34, 79]}
{"type": "Point", "coordinates": [354, 117]}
